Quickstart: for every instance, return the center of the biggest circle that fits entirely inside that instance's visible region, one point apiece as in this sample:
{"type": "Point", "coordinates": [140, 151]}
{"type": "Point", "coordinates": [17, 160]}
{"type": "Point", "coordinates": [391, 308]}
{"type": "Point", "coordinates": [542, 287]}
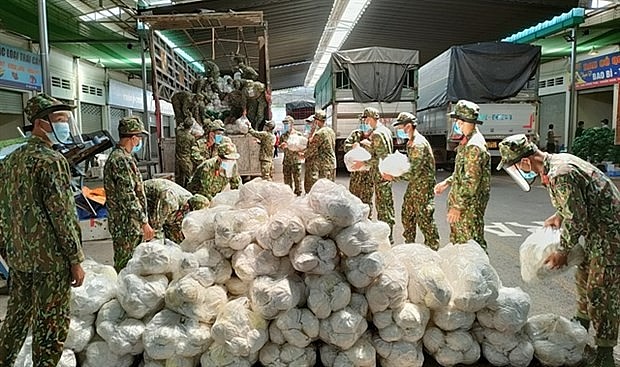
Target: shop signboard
{"type": "Point", "coordinates": [19, 68]}
{"type": "Point", "coordinates": [598, 71]}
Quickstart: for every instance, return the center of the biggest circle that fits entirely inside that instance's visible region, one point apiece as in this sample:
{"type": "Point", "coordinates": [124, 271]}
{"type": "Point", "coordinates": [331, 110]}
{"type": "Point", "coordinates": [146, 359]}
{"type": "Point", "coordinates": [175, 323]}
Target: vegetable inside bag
{"type": "Point", "coordinates": [395, 164]}
{"type": "Point", "coordinates": [535, 250]}
{"type": "Point", "coordinates": [354, 156]}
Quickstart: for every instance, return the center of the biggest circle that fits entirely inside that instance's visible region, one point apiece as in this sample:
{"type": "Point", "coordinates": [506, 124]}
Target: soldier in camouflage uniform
{"type": "Point", "coordinates": [359, 181]}
{"type": "Point", "coordinates": [321, 151]}
{"type": "Point", "coordinates": [267, 141]}
{"type": "Point", "coordinates": [247, 72]}
{"type": "Point", "coordinates": [183, 105]}
{"type": "Point", "coordinates": [309, 172]}
{"type": "Point", "coordinates": [214, 174]}
{"type": "Point", "coordinates": [184, 142]}
{"type": "Point", "coordinates": [167, 205]}
{"type": "Point", "coordinates": [419, 201]}
{"type": "Point", "coordinates": [291, 163]}
{"type": "Point", "coordinates": [587, 204]}
{"type": "Point", "coordinates": [471, 181]}
{"type": "Point", "coordinates": [206, 147]}
{"type": "Point", "coordinates": [125, 196]}
{"type": "Point", "coordinates": [39, 228]}
{"type": "Point", "coordinates": [379, 144]}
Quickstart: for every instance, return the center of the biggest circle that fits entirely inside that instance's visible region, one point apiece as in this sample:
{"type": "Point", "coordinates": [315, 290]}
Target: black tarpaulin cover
{"type": "Point", "coordinates": [481, 72]}
{"type": "Point", "coordinates": [376, 73]}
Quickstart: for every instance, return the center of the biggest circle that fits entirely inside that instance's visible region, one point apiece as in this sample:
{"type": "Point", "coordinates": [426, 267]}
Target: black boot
{"type": "Point", "coordinates": [604, 357]}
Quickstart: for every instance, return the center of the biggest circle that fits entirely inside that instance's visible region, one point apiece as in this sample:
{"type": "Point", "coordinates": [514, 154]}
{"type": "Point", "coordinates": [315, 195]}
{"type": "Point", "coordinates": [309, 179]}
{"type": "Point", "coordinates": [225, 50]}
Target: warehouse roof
{"type": "Point", "coordinates": [294, 28]}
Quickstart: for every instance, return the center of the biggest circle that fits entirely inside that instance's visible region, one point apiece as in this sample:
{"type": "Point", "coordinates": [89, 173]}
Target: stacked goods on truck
{"type": "Point", "coordinates": [502, 78]}
{"type": "Point", "coordinates": [235, 99]}
{"type": "Point", "coordinates": [379, 77]}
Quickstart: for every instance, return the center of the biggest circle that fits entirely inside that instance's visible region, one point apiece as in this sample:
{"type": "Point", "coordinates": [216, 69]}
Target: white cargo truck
{"type": "Point", "coordinates": [502, 78]}
{"type": "Point", "coordinates": [379, 77]}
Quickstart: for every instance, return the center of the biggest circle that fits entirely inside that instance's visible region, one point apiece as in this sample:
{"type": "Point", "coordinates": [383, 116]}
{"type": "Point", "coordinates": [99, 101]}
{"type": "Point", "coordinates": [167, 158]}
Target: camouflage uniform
{"type": "Point", "coordinates": [267, 142]}
{"type": "Point", "coordinates": [254, 102]}
{"type": "Point", "coordinates": [321, 153]}
{"type": "Point", "coordinates": [291, 164]}
{"type": "Point", "coordinates": [182, 104]}
{"type": "Point", "coordinates": [419, 201]}
{"type": "Point", "coordinates": [210, 178]}
{"type": "Point", "coordinates": [381, 145]}
{"type": "Point", "coordinates": [184, 143]}
{"type": "Point", "coordinates": [167, 205]}
{"type": "Point", "coordinates": [470, 182]}
{"type": "Point", "coordinates": [360, 182]}
{"type": "Point", "coordinates": [201, 150]}
{"type": "Point", "coordinates": [589, 204]}
{"type": "Point", "coordinates": [125, 197]}
{"type": "Point", "coordinates": [40, 230]}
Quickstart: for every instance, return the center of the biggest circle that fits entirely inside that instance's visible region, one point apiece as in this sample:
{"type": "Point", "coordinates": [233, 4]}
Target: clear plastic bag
{"type": "Point", "coordinates": [336, 203]}
{"type": "Point", "coordinates": [535, 250]}
{"type": "Point", "coordinates": [98, 288]}
{"type": "Point", "coordinates": [354, 156]}
{"type": "Point", "coordinates": [395, 164]}
{"type": "Point", "coordinates": [296, 143]}
{"type": "Point", "coordinates": [557, 341]}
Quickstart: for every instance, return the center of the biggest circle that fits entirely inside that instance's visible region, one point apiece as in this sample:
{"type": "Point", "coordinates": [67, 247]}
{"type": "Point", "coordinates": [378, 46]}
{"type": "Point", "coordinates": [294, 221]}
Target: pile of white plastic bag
{"type": "Point", "coordinates": [264, 276]}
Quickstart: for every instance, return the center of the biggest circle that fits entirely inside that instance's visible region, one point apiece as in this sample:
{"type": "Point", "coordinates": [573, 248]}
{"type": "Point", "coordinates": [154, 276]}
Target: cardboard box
{"type": "Point", "coordinates": [95, 229]}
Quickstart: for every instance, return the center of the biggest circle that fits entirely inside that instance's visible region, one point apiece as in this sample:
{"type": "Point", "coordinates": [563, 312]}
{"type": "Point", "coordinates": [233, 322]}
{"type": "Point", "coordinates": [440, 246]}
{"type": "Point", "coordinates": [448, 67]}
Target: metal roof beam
{"type": "Point", "coordinates": [202, 21]}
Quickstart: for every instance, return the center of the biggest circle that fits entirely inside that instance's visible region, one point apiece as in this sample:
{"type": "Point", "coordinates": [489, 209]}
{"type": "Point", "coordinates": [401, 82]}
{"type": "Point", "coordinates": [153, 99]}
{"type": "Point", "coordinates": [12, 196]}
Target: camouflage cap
{"type": "Point", "coordinates": [198, 202]}
{"type": "Point", "coordinates": [227, 150]}
{"type": "Point", "coordinates": [513, 148]}
{"type": "Point", "coordinates": [371, 112]}
{"type": "Point", "coordinates": [42, 105]}
{"type": "Point", "coordinates": [216, 125]}
{"type": "Point", "coordinates": [320, 115]}
{"type": "Point", "coordinates": [131, 125]}
{"type": "Point", "coordinates": [289, 120]}
{"type": "Point", "coordinates": [269, 125]}
{"type": "Point", "coordinates": [466, 111]}
{"type": "Point", "coordinates": [405, 118]}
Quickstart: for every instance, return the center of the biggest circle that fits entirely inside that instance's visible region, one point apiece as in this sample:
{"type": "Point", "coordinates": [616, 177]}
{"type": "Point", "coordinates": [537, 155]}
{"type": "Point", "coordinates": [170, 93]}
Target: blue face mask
{"type": "Point", "coordinates": [401, 134]}
{"type": "Point", "coordinates": [217, 139]}
{"type": "Point", "coordinates": [365, 128]}
{"type": "Point", "coordinates": [285, 128]}
{"type": "Point", "coordinates": [528, 176]}
{"type": "Point", "coordinates": [456, 129]}
{"type": "Point", "coordinates": [137, 148]}
{"type": "Point", "coordinates": [61, 133]}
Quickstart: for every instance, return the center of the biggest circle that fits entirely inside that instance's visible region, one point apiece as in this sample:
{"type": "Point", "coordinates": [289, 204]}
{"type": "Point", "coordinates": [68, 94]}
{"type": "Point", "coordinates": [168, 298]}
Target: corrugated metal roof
{"type": "Point", "coordinates": [294, 28]}
{"type": "Point", "coordinates": [433, 26]}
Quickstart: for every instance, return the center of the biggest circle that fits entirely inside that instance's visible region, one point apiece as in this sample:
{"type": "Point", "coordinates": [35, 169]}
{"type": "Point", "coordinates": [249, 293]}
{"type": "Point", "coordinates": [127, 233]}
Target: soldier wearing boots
{"type": "Point", "coordinates": [587, 204]}
{"type": "Point", "coordinates": [419, 201]}
{"type": "Point", "coordinates": [291, 163]}
{"type": "Point", "coordinates": [470, 184]}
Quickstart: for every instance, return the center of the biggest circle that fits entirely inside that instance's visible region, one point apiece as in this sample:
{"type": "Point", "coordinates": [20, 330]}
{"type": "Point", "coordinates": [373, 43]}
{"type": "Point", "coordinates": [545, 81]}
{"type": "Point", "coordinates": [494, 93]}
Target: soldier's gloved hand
{"type": "Point", "coordinates": [147, 232]}
{"type": "Point", "coordinates": [77, 275]}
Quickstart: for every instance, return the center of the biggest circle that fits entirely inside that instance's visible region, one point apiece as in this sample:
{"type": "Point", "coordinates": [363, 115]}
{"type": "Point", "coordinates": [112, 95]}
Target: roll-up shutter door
{"type": "Point", "coordinates": [11, 102]}
{"type": "Point", "coordinates": [91, 117]}
{"type": "Point", "coordinates": [116, 114]}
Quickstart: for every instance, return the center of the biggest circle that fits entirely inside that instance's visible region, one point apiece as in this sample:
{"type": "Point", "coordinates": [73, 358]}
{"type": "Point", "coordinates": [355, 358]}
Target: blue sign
{"type": "Point", "coordinates": [598, 71]}
{"type": "Point", "coordinates": [20, 68]}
